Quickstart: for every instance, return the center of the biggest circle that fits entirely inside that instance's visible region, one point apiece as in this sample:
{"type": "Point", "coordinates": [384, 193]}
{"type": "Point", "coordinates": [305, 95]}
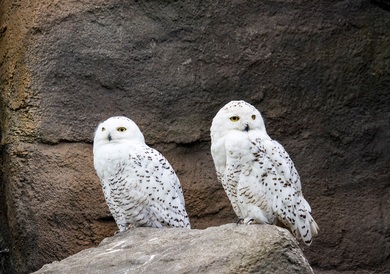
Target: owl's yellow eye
{"type": "Point", "coordinates": [234, 118]}
{"type": "Point", "coordinates": [121, 129]}
{"type": "Point", "coordinates": [253, 117]}
{"type": "Point", "coordinates": [103, 128]}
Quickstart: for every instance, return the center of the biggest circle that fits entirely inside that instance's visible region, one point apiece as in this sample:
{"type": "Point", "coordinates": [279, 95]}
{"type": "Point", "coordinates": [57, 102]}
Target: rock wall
{"type": "Point", "coordinates": [319, 73]}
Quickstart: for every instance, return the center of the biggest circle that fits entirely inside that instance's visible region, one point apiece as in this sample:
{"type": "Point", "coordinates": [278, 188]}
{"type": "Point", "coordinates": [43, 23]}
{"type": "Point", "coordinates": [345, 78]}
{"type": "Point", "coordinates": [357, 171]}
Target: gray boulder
{"type": "Point", "coordinates": [228, 248]}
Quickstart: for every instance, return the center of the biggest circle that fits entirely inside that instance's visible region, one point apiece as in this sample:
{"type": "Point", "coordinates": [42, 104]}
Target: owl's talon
{"type": "Point", "coordinates": [240, 221]}
{"type": "Point", "coordinates": [130, 226]}
{"type": "Point", "coordinates": [250, 221]}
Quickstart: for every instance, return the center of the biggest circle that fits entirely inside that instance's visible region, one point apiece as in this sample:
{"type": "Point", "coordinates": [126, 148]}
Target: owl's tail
{"type": "Point", "coordinates": [307, 228]}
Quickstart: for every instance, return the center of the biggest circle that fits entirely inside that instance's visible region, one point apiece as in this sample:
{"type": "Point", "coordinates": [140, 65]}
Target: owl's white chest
{"type": "Point", "coordinates": [114, 168]}
{"type": "Point", "coordinates": [107, 159]}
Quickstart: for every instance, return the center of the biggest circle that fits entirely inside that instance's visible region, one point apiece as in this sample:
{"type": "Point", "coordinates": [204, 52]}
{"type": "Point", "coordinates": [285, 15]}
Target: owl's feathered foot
{"type": "Point", "coordinates": [240, 221]}
{"type": "Point", "coordinates": [124, 228]}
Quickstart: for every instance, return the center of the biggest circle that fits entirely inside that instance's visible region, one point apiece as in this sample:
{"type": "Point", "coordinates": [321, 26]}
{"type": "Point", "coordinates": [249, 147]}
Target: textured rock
{"type": "Point", "coordinates": [226, 249]}
{"type": "Point", "coordinates": [319, 72]}
{"type": "Point", "coordinates": [49, 206]}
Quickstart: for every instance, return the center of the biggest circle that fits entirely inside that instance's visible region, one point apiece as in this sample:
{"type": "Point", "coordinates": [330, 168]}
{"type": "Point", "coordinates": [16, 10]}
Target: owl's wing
{"type": "Point", "coordinates": [283, 163]}
{"type": "Point", "coordinates": [279, 183]}
{"type": "Point", "coordinates": [163, 187]}
{"type": "Point", "coordinates": [285, 166]}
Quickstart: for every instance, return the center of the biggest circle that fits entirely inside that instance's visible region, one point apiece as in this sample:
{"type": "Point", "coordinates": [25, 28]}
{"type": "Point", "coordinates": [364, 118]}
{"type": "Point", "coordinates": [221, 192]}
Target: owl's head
{"type": "Point", "coordinates": [236, 116]}
{"type": "Point", "coordinates": [117, 129]}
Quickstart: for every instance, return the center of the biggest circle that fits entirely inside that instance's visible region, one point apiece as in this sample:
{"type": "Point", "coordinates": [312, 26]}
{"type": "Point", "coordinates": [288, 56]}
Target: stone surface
{"type": "Point", "coordinates": [49, 207]}
{"type": "Point", "coordinates": [225, 249]}
{"type": "Point", "coordinates": [319, 72]}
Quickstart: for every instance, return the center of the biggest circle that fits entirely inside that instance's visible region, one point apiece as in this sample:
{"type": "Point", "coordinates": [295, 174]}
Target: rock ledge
{"type": "Point", "coordinates": [228, 248]}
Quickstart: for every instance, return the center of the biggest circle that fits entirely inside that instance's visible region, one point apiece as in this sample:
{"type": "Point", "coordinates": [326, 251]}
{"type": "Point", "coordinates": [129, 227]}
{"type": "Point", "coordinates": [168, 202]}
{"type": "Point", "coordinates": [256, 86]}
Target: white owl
{"type": "Point", "coordinates": [256, 172]}
{"type": "Point", "coordinates": [140, 186]}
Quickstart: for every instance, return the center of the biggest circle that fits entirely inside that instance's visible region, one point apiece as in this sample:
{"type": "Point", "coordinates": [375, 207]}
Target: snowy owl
{"type": "Point", "coordinates": [140, 186]}
{"type": "Point", "coordinates": [256, 172]}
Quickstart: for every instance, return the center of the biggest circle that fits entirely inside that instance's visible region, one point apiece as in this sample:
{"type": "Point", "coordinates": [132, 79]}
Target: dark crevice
{"type": "Point", "coordinates": [384, 4]}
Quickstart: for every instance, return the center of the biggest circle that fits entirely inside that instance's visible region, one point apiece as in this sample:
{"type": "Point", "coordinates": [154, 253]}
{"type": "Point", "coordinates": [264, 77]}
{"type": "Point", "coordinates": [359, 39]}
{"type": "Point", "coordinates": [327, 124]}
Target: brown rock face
{"type": "Point", "coordinates": [318, 72]}
{"type": "Point", "coordinates": [224, 249]}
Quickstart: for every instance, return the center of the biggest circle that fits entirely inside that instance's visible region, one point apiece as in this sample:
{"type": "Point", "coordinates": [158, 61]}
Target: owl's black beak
{"type": "Point", "coordinates": [246, 128]}
{"type": "Point", "coordinates": [109, 137]}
